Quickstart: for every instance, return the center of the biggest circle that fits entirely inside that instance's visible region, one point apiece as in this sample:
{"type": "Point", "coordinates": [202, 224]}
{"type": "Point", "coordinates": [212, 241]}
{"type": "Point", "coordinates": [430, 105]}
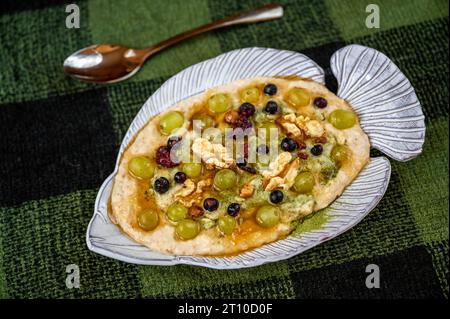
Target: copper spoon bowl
{"type": "Point", "coordinates": [106, 63]}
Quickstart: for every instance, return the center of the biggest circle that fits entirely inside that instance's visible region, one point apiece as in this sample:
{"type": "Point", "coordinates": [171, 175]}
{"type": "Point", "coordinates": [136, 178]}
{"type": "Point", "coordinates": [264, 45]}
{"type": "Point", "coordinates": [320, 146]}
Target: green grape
{"type": "Point", "coordinates": [339, 154]}
{"type": "Point", "coordinates": [342, 119]}
{"type": "Point", "coordinates": [148, 219]}
{"type": "Point", "coordinates": [250, 95]}
{"type": "Point", "coordinates": [225, 179]}
{"type": "Point", "coordinates": [177, 212]}
{"type": "Point", "coordinates": [304, 182]}
{"type": "Point", "coordinates": [298, 97]}
{"type": "Point", "coordinates": [187, 229]}
{"type": "Point", "coordinates": [141, 167]}
{"type": "Point", "coordinates": [267, 216]}
{"type": "Point", "coordinates": [192, 170]}
{"type": "Point", "coordinates": [267, 126]}
{"type": "Point", "coordinates": [226, 224]}
{"type": "Point", "coordinates": [206, 120]}
{"type": "Point", "coordinates": [170, 121]}
{"type": "Point", "coordinates": [219, 103]}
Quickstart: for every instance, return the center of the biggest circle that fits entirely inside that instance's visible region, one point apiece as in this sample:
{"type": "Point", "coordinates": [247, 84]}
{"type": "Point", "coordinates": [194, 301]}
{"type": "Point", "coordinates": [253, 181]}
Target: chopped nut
{"type": "Point", "coordinates": [291, 129]}
{"type": "Point", "coordinates": [314, 128]}
{"type": "Point", "coordinates": [277, 166]}
{"type": "Point", "coordinates": [285, 181]}
{"type": "Point", "coordinates": [202, 184]}
{"type": "Point", "coordinates": [290, 117]}
{"type": "Point", "coordinates": [231, 117]}
{"type": "Point", "coordinates": [193, 197]}
{"type": "Point", "coordinates": [290, 175]}
{"type": "Point", "coordinates": [247, 190]}
{"type": "Point", "coordinates": [212, 154]}
{"type": "Point", "coordinates": [195, 212]}
{"type": "Point", "coordinates": [187, 189]}
{"type": "Point", "coordinates": [321, 140]}
{"type": "Point", "coordinates": [273, 183]}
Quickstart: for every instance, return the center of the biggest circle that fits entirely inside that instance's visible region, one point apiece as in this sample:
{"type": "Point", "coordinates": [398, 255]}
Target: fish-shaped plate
{"type": "Point", "coordinates": [378, 91]}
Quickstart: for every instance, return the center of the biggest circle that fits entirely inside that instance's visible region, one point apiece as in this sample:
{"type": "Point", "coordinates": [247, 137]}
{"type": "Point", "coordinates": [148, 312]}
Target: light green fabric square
{"type": "Point", "coordinates": [429, 205]}
{"type": "Point", "coordinates": [144, 23]}
{"type": "Point", "coordinates": [350, 16]}
{"type": "Point", "coordinates": [179, 280]}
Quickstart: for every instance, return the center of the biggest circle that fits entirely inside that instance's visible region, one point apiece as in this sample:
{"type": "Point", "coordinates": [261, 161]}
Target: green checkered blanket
{"type": "Point", "coordinates": [60, 137]}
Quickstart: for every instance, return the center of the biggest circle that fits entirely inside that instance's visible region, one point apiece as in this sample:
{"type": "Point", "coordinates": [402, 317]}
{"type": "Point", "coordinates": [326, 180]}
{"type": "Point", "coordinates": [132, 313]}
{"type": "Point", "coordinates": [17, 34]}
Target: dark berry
{"type": "Point", "coordinates": [316, 150]}
{"type": "Point", "coordinates": [320, 102]}
{"type": "Point", "coordinates": [172, 141]}
{"type": "Point", "coordinates": [247, 109]}
{"type": "Point", "coordinates": [233, 209]}
{"type": "Point", "coordinates": [262, 149]}
{"type": "Point", "coordinates": [163, 157]}
{"type": "Point", "coordinates": [276, 196]}
{"type": "Point", "coordinates": [288, 144]}
{"type": "Point", "coordinates": [241, 162]}
{"type": "Point", "coordinates": [210, 204]}
{"type": "Point", "coordinates": [271, 107]}
{"type": "Point", "coordinates": [248, 169]}
{"type": "Point", "coordinates": [180, 177]}
{"type": "Point", "coordinates": [270, 89]}
{"type": "Point", "coordinates": [243, 122]}
{"type": "Point", "coordinates": [162, 185]}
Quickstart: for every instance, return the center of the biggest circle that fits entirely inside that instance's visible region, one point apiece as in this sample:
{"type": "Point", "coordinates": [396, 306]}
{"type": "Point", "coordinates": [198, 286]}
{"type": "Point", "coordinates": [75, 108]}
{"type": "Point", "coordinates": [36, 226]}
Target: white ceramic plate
{"type": "Point", "coordinates": [384, 99]}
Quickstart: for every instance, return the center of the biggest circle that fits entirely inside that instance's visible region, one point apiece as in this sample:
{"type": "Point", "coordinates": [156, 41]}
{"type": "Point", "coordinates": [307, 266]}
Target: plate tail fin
{"type": "Point", "coordinates": [384, 99]}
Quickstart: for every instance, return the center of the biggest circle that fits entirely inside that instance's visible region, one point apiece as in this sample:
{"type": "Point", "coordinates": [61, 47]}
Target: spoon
{"type": "Point", "coordinates": [107, 63]}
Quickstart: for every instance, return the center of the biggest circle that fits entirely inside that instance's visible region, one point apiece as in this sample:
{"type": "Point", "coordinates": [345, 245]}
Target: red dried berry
{"type": "Point", "coordinates": [243, 122]}
{"type": "Point", "coordinates": [302, 155]}
{"type": "Point", "coordinates": [301, 144]}
{"type": "Point", "coordinates": [163, 157]}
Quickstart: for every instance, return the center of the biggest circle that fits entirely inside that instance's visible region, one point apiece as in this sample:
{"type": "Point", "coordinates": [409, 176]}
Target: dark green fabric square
{"type": "Point", "coordinates": [68, 144]}
{"type": "Point", "coordinates": [305, 24]}
{"type": "Point", "coordinates": [414, 279]}
{"type": "Point", "coordinates": [388, 228]}
{"type": "Point", "coordinates": [35, 44]}
{"type": "Point", "coordinates": [125, 100]}
{"type": "Point", "coordinates": [40, 238]}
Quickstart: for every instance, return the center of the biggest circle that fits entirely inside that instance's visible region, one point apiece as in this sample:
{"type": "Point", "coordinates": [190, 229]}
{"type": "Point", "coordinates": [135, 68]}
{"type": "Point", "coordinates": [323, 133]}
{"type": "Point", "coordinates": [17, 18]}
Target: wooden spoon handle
{"type": "Point", "coordinates": [264, 13]}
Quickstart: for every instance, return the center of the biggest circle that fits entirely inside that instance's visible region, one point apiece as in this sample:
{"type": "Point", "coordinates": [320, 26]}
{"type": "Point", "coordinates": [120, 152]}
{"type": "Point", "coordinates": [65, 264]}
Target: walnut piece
{"type": "Point", "coordinates": [190, 197]}
{"type": "Point", "coordinates": [277, 166]}
{"type": "Point", "coordinates": [212, 154]}
{"type": "Point", "coordinates": [291, 129]}
{"type": "Point", "coordinates": [287, 180]}
{"type": "Point", "coordinates": [247, 190]}
{"type": "Point", "coordinates": [312, 128]}
{"type": "Point", "coordinates": [187, 189]}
